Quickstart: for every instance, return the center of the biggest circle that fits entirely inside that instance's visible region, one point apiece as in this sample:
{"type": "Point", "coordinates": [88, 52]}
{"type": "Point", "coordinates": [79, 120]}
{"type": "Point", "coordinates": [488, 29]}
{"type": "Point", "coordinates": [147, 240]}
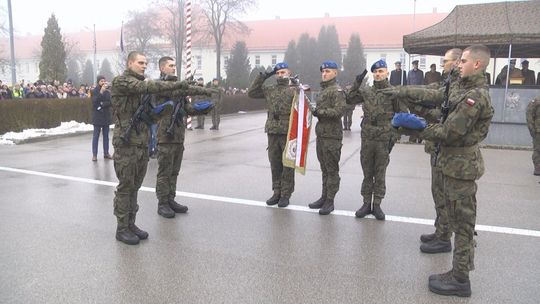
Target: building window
{"type": "Point", "coordinates": [199, 62]}
{"type": "Point", "coordinates": [97, 64]}
{"type": "Point", "coordinates": [422, 65]}
{"type": "Point", "coordinates": [383, 56]}
{"type": "Point", "coordinates": [225, 61]}
{"type": "Point", "coordinates": [274, 60]}
{"type": "Point", "coordinates": [257, 61]}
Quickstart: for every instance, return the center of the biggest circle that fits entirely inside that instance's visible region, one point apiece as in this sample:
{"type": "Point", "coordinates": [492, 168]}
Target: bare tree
{"type": "Point", "coordinates": [142, 31]}
{"type": "Point", "coordinates": [174, 28]}
{"type": "Point", "coordinates": [220, 16]}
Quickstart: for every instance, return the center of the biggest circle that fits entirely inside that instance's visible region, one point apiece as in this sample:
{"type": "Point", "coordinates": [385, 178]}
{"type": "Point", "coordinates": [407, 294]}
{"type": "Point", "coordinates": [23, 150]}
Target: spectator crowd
{"type": "Point", "coordinates": [41, 89]}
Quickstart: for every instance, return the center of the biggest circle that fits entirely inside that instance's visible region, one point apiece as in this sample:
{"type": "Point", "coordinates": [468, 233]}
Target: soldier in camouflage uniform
{"type": "Point", "coordinates": [426, 101]}
{"type": "Point", "coordinates": [329, 109]}
{"type": "Point", "coordinates": [461, 163]}
{"type": "Point", "coordinates": [378, 137]}
{"type": "Point", "coordinates": [131, 156]}
{"type": "Point", "coordinates": [170, 138]}
{"type": "Point", "coordinates": [217, 98]}
{"type": "Point", "coordinates": [347, 117]}
{"type": "Point", "coordinates": [279, 99]}
{"type": "Point", "coordinates": [533, 123]}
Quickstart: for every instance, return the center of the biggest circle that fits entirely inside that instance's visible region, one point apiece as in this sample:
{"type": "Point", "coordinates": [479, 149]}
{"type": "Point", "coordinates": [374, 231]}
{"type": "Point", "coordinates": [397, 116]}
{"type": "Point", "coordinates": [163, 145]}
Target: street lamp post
{"type": "Point", "coordinates": [94, 68]}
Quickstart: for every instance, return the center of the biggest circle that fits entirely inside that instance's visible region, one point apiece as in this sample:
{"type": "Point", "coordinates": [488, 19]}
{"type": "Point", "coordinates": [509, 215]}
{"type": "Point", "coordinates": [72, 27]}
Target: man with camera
{"type": "Point", "coordinates": [101, 116]}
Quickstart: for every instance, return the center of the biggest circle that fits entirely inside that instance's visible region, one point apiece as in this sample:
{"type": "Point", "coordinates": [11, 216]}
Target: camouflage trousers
{"type": "Point", "coordinates": [374, 158]}
{"type": "Point", "coordinates": [169, 162]}
{"type": "Point", "coordinates": [442, 225]}
{"type": "Point", "coordinates": [347, 119]}
{"type": "Point", "coordinates": [328, 154]}
{"type": "Point", "coordinates": [130, 163]}
{"type": "Point", "coordinates": [460, 197]}
{"type": "Point", "coordinates": [216, 114]}
{"type": "Point", "coordinates": [536, 150]}
{"type": "Point", "coordinates": [282, 177]}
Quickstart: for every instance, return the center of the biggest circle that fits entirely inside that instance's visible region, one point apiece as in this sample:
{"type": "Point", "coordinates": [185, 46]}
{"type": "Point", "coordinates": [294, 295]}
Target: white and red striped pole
{"type": "Point", "coordinates": [187, 12]}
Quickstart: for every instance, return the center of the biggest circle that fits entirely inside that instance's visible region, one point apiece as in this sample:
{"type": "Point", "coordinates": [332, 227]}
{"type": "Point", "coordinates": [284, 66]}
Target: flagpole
{"type": "Point", "coordinates": [188, 49]}
{"type": "Point", "coordinates": [95, 50]}
{"type": "Point", "coordinates": [122, 38]}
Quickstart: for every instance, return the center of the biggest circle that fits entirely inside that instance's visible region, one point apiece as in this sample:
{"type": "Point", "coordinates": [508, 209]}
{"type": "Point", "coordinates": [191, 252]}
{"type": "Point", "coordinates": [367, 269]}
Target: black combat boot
{"type": "Point", "coordinates": [363, 211]}
{"type": "Point", "coordinates": [442, 276]}
{"type": "Point", "coordinates": [165, 210]}
{"type": "Point", "coordinates": [377, 211]}
{"type": "Point", "coordinates": [426, 238]}
{"type": "Point", "coordinates": [327, 207]}
{"type": "Point", "coordinates": [273, 200]}
{"type": "Point", "coordinates": [141, 234]}
{"type": "Point", "coordinates": [318, 203]}
{"type": "Point", "coordinates": [177, 208]}
{"type": "Point", "coordinates": [283, 202]}
{"type": "Point", "coordinates": [123, 233]}
{"type": "Point", "coordinates": [436, 246]}
{"type": "Point", "coordinates": [450, 286]}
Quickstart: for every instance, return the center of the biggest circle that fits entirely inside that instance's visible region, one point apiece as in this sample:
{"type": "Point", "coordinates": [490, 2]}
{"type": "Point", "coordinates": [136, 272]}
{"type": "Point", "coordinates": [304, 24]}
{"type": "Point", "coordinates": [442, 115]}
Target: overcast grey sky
{"type": "Point", "coordinates": [30, 16]}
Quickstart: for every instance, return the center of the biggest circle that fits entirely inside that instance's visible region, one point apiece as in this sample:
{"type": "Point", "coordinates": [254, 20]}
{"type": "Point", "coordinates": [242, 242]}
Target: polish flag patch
{"type": "Point", "coordinates": [470, 102]}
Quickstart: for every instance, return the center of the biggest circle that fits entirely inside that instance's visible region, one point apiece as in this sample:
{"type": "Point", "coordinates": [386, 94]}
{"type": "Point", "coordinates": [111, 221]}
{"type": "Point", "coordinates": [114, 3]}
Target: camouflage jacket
{"type": "Point", "coordinates": [126, 95]}
{"type": "Point", "coordinates": [467, 124]}
{"type": "Point", "coordinates": [330, 107]}
{"type": "Point", "coordinates": [279, 98]}
{"type": "Point", "coordinates": [165, 118]}
{"type": "Point", "coordinates": [379, 109]}
{"type": "Point", "coordinates": [533, 116]}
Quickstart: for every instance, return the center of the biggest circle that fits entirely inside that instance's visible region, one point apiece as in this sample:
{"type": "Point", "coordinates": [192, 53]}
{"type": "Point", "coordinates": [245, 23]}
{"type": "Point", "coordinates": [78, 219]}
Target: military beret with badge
{"type": "Point", "coordinates": [379, 64]}
{"type": "Point", "coordinates": [328, 65]}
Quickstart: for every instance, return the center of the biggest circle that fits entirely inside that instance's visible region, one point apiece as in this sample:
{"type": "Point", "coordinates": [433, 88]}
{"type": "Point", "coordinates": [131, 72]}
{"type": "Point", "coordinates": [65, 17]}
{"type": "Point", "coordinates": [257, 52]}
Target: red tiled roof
{"type": "Point", "coordinates": [265, 34]}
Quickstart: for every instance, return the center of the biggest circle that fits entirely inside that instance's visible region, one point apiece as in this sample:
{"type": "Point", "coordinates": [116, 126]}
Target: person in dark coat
{"type": "Point", "coordinates": [101, 116]}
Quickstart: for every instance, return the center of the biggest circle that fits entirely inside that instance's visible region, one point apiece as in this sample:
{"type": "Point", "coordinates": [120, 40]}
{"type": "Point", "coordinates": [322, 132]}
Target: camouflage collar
{"type": "Point", "coordinates": [282, 81]}
{"type": "Point", "coordinates": [325, 84]}
{"type": "Point", "coordinates": [129, 72]}
{"type": "Point", "coordinates": [473, 81]}
{"type": "Point", "coordinates": [381, 84]}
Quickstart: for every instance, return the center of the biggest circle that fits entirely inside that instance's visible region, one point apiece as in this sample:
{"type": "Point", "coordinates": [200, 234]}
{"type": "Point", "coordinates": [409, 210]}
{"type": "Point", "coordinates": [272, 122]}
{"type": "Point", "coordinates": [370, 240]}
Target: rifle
{"type": "Point", "coordinates": [445, 109]}
{"type": "Point", "coordinates": [177, 116]}
{"type": "Point", "coordinates": [141, 114]}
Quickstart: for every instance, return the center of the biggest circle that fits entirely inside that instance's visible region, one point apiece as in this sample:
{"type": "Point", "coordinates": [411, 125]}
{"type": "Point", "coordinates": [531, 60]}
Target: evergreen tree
{"type": "Point", "coordinates": [74, 72]}
{"type": "Point", "coordinates": [355, 60]}
{"type": "Point", "coordinates": [239, 68]}
{"type": "Point", "coordinates": [88, 73]}
{"type": "Point", "coordinates": [52, 65]}
{"type": "Point", "coordinates": [308, 61]}
{"type": "Point", "coordinates": [328, 45]}
{"type": "Point", "coordinates": [291, 56]}
{"type": "Point", "coordinates": [106, 71]}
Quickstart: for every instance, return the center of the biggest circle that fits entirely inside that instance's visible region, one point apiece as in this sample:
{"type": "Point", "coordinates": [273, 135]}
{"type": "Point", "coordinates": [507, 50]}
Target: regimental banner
{"type": "Point", "coordinates": [295, 152]}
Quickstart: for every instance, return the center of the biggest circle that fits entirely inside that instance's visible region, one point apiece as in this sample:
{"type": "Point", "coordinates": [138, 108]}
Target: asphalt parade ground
{"type": "Point", "coordinates": [57, 241]}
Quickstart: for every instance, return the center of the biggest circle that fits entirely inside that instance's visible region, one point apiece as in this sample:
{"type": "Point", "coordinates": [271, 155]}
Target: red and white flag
{"type": "Point", "coordinates": [295, 152]}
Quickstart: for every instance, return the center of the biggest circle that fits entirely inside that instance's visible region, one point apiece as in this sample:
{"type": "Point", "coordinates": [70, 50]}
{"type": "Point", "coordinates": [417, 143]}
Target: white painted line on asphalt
{"type": "Point", "coordinates": [245, 202]}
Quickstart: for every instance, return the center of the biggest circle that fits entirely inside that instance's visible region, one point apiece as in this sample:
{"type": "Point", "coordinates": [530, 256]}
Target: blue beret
{"type": "Point", "coordinates": [203, 105]}
{"type": "Point", "coordinates": [409, 121]}
{"type": "Point", "coordinates": [281, 66]}
{"type": "Point", "coordinates": [378, 65]}
{"type": "Point", "coordinates": [328, 65]}
{"type": "Point", "coordinates": [159, 108]}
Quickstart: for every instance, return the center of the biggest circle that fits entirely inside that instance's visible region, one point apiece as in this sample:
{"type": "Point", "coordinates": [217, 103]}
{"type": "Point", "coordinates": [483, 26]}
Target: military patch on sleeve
{"type": "Point", "coordinates": [470, 101]}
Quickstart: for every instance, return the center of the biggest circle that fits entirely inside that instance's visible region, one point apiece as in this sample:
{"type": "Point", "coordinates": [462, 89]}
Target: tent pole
{"type": "Point", "coordinates": [508, 72]}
